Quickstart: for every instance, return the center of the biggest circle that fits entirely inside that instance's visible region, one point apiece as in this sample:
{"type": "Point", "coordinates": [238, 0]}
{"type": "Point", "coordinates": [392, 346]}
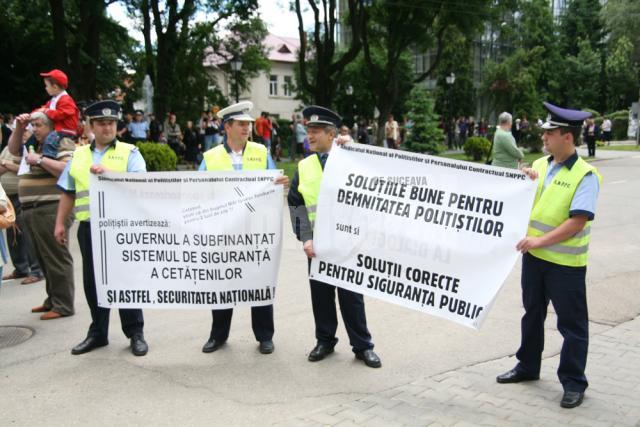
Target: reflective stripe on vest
{"type": "Point", "coordinates": [254, 157]}
{"type": "Point", "coordinates": [310, 177]}
{"type": "Point", "coordinates": [115, 159]}
{"type": "Point", "coordinates": [551, 208]}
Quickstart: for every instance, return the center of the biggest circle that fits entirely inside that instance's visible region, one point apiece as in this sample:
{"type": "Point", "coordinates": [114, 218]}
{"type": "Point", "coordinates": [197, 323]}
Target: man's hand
{"type": "Point", "coordinates": [282, 179]}
{"type": "Point", "coordinates": [531, 173]}
{"type": "Point", "coordinates": [60, 234]}
{"type": "Point", "coordinates": [23, 120]}
{"type": "Point", "coordinates": [98, 169]}
{"type": "Point", "coordinates": [529, 243]}
{"type": "Point", "coordinates": [308, 248]}
{"type": "Point", "coordinates": [32, 158]}
{"type": "Point", "coordinates": [343, 139]}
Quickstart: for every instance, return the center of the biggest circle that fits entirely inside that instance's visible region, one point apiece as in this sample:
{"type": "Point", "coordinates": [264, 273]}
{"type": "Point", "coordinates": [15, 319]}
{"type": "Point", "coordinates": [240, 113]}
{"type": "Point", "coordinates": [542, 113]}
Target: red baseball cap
{"type": "Point", "coordinates": [58, 76]}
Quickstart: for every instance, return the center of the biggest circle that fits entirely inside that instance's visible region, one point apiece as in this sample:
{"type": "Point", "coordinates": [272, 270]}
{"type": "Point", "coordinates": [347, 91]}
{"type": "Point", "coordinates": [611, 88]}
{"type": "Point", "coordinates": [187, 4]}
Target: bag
{"type": "Point", "coordinates": [8, 218]}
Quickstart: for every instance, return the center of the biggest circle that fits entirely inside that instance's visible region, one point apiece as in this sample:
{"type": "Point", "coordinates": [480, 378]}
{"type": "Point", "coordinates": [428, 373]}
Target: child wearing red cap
{"type": "Point", "coordinates": [61, 108]}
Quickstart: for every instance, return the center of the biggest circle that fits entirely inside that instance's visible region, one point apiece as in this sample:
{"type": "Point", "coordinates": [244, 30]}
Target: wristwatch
{"type": "Point", "coordinates": [39, 162]}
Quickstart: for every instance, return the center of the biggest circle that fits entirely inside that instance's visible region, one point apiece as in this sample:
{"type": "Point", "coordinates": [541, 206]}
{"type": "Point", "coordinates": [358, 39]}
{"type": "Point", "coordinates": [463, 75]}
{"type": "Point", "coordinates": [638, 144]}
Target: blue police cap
{"type": "Point", "coordinates": [103, 110]}
{"type": "Point", "coordinates": [321, 116]}
{"type": "Point", "coordinates": [563, 117]}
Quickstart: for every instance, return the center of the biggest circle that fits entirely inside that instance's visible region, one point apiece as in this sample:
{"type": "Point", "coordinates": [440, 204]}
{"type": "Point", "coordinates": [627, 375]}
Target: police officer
{"type": "Point", "coordinates": [238, 153]}
{"type": "Point", "coordinates": [303, 196]}
{"type": "Point", "coordinates": [555, 255]}
{"type": "Point", "coordinates": [105, 153]}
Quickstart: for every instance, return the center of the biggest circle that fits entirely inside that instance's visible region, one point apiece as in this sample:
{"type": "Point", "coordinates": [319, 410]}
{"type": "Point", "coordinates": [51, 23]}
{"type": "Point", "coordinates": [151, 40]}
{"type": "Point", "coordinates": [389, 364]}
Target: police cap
{"type": "Point", "coordinates": [320, 116]}
{"type": "Point", "coordinates": [563, 117]}
{"type": "Point", "coordinates": [238, 111]}
{"type": "Point", "coordinates": [108, 109]}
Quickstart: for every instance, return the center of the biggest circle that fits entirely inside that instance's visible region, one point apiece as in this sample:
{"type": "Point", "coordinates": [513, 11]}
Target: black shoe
{"type": "Point", "coordinates": [571, 399]}
{"type": "Point", "coordinates": [139, 346]}
{"type": "Point", "coordinates": [266, 347]}
{"type": "Point", "coordinates": [514, 376]}
{"type": "Point", "coordinates": [320, 351]}
{"type": "Point", "coordinates": [212, 345]}
{"type": "Point", "coordinates": [370, 358]}
{"type": "Point", "coordinates": [89, 344]}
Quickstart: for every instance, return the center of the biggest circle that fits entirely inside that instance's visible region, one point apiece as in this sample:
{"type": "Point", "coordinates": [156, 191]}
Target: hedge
{"type": "Point", "coordinates": [477, 148]}
{"type": "Point", "coordinates": [158, 157]}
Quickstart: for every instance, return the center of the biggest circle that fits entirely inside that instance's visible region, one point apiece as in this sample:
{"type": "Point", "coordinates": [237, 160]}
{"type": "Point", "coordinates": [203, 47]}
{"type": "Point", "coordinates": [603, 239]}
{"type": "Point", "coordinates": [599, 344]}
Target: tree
{"type": "Point", "coordinates": [320, 81]}
{"type": "Point", "coordinates": [620, 18]}
{"type": "Point", "coordinates": [80, 29]}
{"type": "Point", "coordinates": [581, 21]}
{"type": "Point", "coordinates": [171, 25]}
{"type": "Point", "coordinates": [459, 98]}
{"type": "Point", "coordinates": [511, 84]}
{"type": "Point", "coordinates": [622, 74]}
{"type": "Point", "coordinates": [425, 136]}
{"type": "Point", "coordinates": [395, 31]}
{"type": "Point", "coordinates": [581, 78]}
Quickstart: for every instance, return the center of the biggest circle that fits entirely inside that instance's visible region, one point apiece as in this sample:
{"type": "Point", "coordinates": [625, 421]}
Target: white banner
{"type": "Point", "coordinates": [186, 239]}
{"type": "Point", "coordinates": [428, 233]}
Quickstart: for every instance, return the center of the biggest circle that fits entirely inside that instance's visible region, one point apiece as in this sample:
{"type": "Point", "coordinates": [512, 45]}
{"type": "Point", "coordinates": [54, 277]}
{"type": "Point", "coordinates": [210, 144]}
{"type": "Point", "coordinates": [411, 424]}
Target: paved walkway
{"type": "Point", "coordinates": [470, 396]}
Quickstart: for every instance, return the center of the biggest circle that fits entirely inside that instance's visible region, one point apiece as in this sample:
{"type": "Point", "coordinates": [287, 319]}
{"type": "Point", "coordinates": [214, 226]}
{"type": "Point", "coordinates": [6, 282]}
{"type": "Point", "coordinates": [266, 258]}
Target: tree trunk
{"type": "Point", "coordinates": [59, 34]}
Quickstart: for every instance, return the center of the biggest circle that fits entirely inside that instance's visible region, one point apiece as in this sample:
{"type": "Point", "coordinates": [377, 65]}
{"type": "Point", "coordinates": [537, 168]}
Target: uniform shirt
{"type": "Point", "coordinates": [138, 129]}
{"type": "Point", "coordinates": [135, 163]}
{"type": "Point", "coordinates": [586, 195]}
{"type": "Point", "coordinates": [236, 159]}
{"type": "Point", "coordinates": [297, 209]}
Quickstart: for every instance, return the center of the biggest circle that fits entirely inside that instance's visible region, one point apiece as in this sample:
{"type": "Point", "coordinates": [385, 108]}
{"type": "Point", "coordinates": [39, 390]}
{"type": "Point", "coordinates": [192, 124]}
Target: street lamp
{"type": "Point", "coordinates": [349, 91]}
{"type": "Point", "coordinates": [450, 79]}
{"type": "Point", "coordinates": [236, 65]}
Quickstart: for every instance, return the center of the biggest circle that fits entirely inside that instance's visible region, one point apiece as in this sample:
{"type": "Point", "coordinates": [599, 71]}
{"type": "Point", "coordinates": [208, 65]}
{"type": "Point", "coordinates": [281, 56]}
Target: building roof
{"type": "Point", "coordinates": [281, 49]}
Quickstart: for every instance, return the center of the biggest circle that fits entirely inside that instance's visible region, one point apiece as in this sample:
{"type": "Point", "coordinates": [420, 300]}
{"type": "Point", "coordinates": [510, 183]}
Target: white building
{"type": "Point", "coordinates": [273, 91]}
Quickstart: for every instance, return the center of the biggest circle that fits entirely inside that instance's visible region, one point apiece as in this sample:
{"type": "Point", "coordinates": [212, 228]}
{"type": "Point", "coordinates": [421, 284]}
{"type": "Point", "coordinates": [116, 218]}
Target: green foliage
{"type": "Point", "coordinates": [458, 99]}
{"type": "Point", "coordinates": [621, 20]}
{"type": "Point", "coordinates": [512, 84]}
{"type": "Point", "coordinates": [594, 113]}
{"type": "Point", "coordinates": [619, 128]}
{"type": "Point", "coordinates": [581, 21]}
{"type": "Point", "coordinates": [477, 148]}
{"type": "Point", "coordinates": [425, 136]}
{"type": "Point", "coordinates": [580, 75]}
{"type": "Point", "coordinates": [531, 138]}
{"type": "Point", "coordinates": [622, 73]}
{"type": "Point", "coordinates": [623, 114]}
{"type": "Point", "coordinates": [159, 157]}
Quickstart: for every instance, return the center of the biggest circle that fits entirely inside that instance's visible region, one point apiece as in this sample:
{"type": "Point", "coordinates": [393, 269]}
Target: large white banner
{"type": "Point", "coordinates": [186, 239]}
{"type": "Point", "coordinates": [428, 233]}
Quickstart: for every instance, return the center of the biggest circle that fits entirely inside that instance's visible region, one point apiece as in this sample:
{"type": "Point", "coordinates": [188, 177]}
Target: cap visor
{"type": "Point", "coordinates": [549, 126]}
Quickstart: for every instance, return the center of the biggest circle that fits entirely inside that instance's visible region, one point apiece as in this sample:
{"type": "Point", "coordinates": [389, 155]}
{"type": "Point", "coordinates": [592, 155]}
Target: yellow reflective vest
{"type": "Point", "coordinates": [310, 177]}
{"type": "Point", "coordinates": [254, 157]}
{"type": "Point", "coordinates": [551, 208]}
{"type": "Point", "coordinates": [115, 159]}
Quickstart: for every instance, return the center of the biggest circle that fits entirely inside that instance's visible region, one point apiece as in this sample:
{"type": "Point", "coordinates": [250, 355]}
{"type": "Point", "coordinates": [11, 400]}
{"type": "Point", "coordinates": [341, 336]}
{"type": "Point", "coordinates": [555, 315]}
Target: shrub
{"type": "Point", "coordinates": [159, 157]}
{"type": "Point", "coordinates": [531, 138]}
{"type": "Point", "coordinates": [477, 148]}
{"type": "Point", "coordinates": [593, 112]}
{"type": "Point", "coordinates": [619, 128]}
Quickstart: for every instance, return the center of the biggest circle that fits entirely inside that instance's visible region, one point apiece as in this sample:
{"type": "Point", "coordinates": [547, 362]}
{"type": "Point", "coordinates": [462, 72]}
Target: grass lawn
{"type": "Point", "coordinates": [619, 147]}
{"type": "Point", "coordinates": [529, 158]}
{"type": "Point", "coordinates": [289, 168]}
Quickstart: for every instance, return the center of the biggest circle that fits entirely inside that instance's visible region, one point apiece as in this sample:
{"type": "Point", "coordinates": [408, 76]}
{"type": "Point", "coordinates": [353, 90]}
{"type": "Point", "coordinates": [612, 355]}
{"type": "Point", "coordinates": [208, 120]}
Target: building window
{"type": "Point", "coordinates": [288, 86]}
{"type": "Point", "coordinates": [273, 85]}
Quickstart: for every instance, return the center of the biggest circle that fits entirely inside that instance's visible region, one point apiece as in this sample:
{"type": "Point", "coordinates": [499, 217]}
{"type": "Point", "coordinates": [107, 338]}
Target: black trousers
{"type": "Point", "coordinates": [543, 281]}
{"type": "Point", "coordinates": [323, 301]}
{"type": "Point", "coordinates": [131, 319]}
{"type": "Point", "coordinates": [261, 323]}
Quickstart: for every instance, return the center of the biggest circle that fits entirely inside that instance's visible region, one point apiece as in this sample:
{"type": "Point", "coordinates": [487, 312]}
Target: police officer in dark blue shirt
{"type": "Point", "coordinates": [303, 193]}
